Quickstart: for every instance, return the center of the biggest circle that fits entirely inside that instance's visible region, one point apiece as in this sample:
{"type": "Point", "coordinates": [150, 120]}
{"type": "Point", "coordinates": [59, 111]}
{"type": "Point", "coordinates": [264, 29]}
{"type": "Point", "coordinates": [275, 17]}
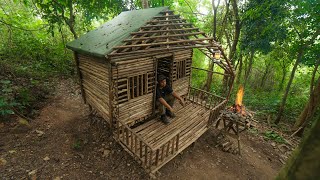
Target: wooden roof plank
{"type": "Point", "coordinates": [163, 43]}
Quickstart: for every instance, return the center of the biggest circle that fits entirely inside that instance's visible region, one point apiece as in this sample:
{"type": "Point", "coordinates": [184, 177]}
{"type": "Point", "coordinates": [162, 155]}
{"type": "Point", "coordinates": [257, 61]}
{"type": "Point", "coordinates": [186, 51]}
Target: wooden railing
{"type": "Point", "coordinates": [149, 156]}
{"type": "Point", "coordinates": [215, 112]}
{"type": "Point", "coordinates": [208, 100]}
{"type": "Point", "coordinates": [204, 98]}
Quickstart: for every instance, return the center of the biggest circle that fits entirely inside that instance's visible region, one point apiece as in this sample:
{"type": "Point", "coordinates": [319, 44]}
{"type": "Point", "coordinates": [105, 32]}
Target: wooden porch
{"type": "Point", "coordinates": [154, 143]}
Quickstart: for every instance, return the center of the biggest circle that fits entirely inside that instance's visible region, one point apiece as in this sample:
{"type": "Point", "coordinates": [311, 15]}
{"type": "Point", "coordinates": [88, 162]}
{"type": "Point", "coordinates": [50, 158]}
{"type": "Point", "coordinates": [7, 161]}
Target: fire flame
{"type": "Point", "coordinates": [238, 104]}
{"type": "Point", "coordinates": [239, 96]}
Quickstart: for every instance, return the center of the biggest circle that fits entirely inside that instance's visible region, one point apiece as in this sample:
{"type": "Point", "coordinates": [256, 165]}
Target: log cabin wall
{"type": "Point", "coordinates": [94, 73]}
{"type": "Point", "coordinates": [134, 86]}
{"type": "Point", "coordinates": [182, 71]}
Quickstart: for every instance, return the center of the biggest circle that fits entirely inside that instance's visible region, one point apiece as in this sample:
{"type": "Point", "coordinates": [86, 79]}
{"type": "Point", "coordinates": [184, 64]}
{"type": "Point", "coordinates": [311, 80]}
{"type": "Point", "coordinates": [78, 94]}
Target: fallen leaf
{"type": "Point", "coordinates": [23, 121]}
{"type": "Point", "coordinates": [46, 158]}
{"type": "Point", "coordinates": [40, 133]}
{"type": "Point", "coordinates": [12, 151]}
{"type": "Point", "coordinates": [2, 162]}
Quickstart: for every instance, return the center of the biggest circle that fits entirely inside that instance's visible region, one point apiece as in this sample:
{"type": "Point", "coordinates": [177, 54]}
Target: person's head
{"type": "Point", "coordinates": [162, 80]}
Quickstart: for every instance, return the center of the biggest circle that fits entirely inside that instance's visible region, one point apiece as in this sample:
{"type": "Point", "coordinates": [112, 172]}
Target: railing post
{"type": "Point", "coordinates": [177, 142]}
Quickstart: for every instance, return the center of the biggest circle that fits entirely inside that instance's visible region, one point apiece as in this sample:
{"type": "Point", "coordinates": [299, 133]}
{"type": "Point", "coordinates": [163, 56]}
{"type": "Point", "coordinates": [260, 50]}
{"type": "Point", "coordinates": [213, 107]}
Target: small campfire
{"type": "Point", "coordinates": [238, 107]}
{"type": "Point", "coordinates": [237, 112]}
{"type": "Point", "coordinates": [235, 119]}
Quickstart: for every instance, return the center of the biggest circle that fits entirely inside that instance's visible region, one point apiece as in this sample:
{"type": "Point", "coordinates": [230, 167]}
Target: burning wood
{"type": "Point", "coordinates": [235, 119]}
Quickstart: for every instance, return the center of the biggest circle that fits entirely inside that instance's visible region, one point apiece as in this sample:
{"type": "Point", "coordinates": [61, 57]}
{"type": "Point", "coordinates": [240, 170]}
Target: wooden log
{"type": "Point", "coordinates": [166, 16]}
{"type": "Point", "coordinates": [151, 158]}
{"type": "Point", "coordinates": [76, 58]}
{"type": "Point", "coordinates": [157, 157]}
{"type": "Point", "coordinates": [210, 71]}
{"type": "Point", "coordinates": [159, 50]}
{"type": "Point", "coordinates": [162, 153]}
{"type": "Point", "coordinates": [165, 21]}
{"type": "Point", "coordinates": [140, 149]}
{"type": "Point", "coordinates": [162, 43]}
{"type": "Point", "coordinates": [162, 31]}
{"type": "Point", "coordinates": [170, 24]}
{"type": "Point", "coordinates": [146, 155]}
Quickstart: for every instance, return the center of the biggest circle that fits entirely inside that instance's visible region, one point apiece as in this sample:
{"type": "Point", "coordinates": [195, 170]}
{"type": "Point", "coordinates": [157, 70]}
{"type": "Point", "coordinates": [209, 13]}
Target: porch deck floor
{"type": "Point", "coordinates": [190, 121]}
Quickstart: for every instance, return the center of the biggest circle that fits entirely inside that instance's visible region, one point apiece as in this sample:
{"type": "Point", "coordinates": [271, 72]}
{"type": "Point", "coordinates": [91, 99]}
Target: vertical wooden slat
{"type": "Point", "coordinates": [138, 85]}
{"type": "Point", "coordinates": [122, 132]}
{"type": "Point", "coordinates": [141, 149]}
{"type": "Point", "coordinates": [127, 136]}
{"type": "Point", "coordinates": [146, 155]}
{"type": "Point", "coordinates": [135, 144]}
{"type": "Point", "coordinates": [150, 159]}
{"type": "Point", "coordinates": [185, 68]}
{"type": "Point", "coordinates": [128, 87]}
{"type": "Point", "coordinates": [168, 147]}
{"type": "Point", "coordinates": [157, 157]}
{"type": "Point", "coordinates": [142, 84]}
{"type": "Point", "coordinates": [177, 142]}
{"type": "Point", "coordinates": [76, 58]}
{"type": "Point", "coordinates": [118, 130]}
{"type": "Point", "coordinates": [133, 88]}
{"type": "Point", "coordinates": [193, 94]}
{"type": "Point", "coordinates": [162, 152]}
{"type": "Point", "coordinates": [132, 141]}
{"type": "Point", "coordinates": [172, 147]}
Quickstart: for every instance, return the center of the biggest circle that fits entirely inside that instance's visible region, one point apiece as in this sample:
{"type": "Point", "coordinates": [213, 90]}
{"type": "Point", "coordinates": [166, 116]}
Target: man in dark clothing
{"type": "Point", "coordinates": [165, 99]}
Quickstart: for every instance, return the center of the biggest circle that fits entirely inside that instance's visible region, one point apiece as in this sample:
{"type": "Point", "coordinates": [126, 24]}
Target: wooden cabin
{"type": "Point", "coordinates": [118, 64]}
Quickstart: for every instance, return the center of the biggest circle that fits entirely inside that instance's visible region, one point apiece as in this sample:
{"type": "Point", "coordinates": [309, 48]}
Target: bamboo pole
{"type": "Point", "coordinates": [160, 31]}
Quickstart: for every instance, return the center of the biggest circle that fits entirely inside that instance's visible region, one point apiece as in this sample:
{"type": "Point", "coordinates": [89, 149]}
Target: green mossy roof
{"type": "Point", "coordinates": [99, 42]}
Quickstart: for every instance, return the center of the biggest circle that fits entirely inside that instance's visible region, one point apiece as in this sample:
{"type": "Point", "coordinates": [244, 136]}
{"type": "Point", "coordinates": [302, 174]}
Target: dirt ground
{"type": "Point", "coordinates": [63, 142]}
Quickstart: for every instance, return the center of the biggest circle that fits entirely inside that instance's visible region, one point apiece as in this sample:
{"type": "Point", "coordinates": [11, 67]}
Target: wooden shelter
{"type": "Point", "coordinates": [118, 64]}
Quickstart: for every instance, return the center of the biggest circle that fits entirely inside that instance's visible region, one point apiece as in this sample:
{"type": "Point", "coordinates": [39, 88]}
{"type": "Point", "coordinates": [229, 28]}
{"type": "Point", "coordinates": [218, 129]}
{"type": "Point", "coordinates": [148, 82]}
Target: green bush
{"type": "Point", "coordinates": [271, 135]}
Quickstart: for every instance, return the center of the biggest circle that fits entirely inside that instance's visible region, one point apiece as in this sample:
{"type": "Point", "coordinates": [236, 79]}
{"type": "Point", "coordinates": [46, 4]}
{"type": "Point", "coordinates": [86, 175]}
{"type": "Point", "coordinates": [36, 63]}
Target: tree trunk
{"type": "Point", "coordinates": [284, 74]}
{"type": "Point", "coordinates": [311, 107]}
{"type": "Point", "coordinates": [215, 9]}
{"type": "Point", "coordinates": [240, 69]}
{"type": "Point", "coordinates": [145, 4]}
{"type": "Point", "coordinates": [304, 162]}
{"type": "Point", "coordinates": [70, 22]}
{"type": "Point", "coordinates": [284, 99]}
{"type": "Point", "coordinates": [237, 28]}
{"type": "Point", "coordinates": [249, 68]}
{"type": "Point", "coordinates": [265, 74]}
{"type": "Point", "coordinates": [207, 85]}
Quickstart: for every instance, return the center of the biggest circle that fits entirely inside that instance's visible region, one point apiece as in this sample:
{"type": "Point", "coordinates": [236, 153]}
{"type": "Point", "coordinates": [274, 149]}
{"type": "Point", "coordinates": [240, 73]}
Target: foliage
{"type": "Point", "coordinates": [259, 19]}
{"type": "Point", "coordinates": [271, 135]}
{"type": "Point", "coordinates": [6, 100]}
{"type": "Point", "coordinates": [77, 145]}
{"type": "Point", "coordinates": [65, 12]}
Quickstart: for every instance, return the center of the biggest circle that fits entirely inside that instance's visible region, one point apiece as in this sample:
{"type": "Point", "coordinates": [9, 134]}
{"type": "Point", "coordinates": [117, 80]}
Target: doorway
{"type": "Point", "coordinates": [164, 67]}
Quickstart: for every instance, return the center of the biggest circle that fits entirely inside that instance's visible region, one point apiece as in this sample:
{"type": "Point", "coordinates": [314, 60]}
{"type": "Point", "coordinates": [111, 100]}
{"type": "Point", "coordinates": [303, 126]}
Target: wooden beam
{"type": "Point", "coordinates": [163, 43]}
{"type": "Point", "coordinates": [159, 49]}
{"type": "Point", "coordinates": [221, 64]}
{"type": "Point", "coordinates": [124, 50]}
{"type": "Point", "coordinates": [170, 20]}
{"type": "Point", "coordinates": [161, 25]}
{"type": "Point", "coordinates": [167, 16]}
{"type": "Point", "coordinates": [147, 41]}
{"type": "Point", "coordinates": [208, 93]}
{"type": "Point", "coordinates": [214, 72]}
{"type": "Point", "coordinates": [167, 11]}
{"type": "Point", "coordinates": [159, 31]}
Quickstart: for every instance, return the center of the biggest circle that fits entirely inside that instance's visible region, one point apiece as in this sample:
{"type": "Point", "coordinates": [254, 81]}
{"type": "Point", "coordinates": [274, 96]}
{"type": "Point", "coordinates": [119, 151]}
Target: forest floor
{"type": "Point", "coordinates": [62, 143]}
